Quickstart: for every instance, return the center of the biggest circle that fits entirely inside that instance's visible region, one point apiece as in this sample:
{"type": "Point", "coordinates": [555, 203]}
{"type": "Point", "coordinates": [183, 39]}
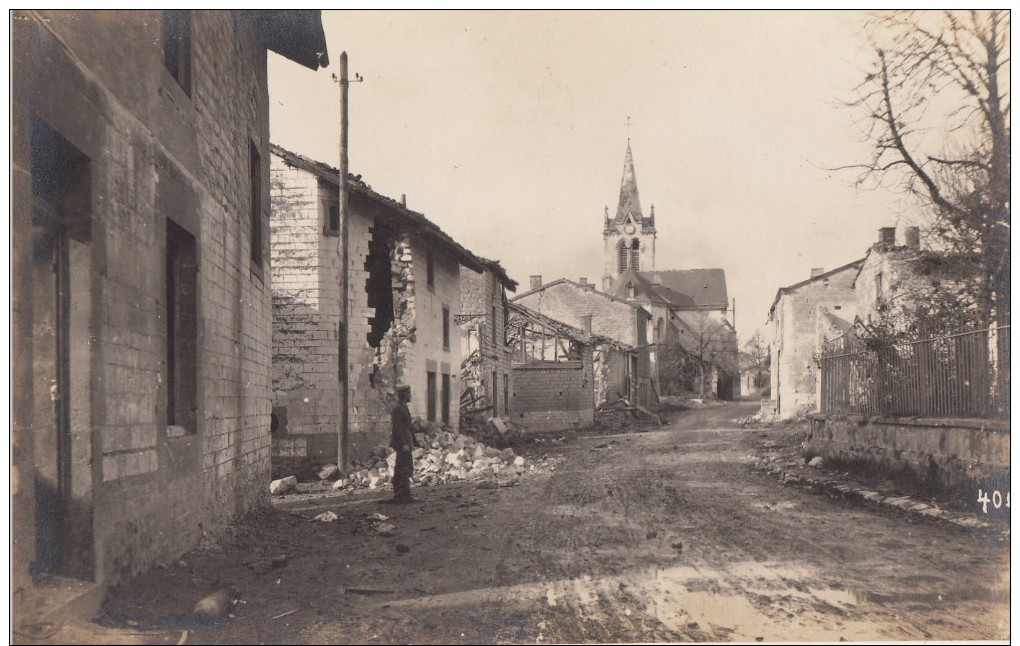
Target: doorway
{"type": "Point", "coordinates": [61, 349]}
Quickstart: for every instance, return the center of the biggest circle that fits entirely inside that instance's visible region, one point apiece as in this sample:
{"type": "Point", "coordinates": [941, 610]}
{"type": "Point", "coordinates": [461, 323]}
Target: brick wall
{"type": "Point", "coordinates": [554, 396]}
{"type": "Point", "coordinates": [306, 316]}
{"type": "Point", "coordinates": [157, 153]}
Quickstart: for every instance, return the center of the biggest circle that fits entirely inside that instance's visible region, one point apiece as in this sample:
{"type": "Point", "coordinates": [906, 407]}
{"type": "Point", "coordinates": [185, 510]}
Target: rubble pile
{"type": "Point", "coordinates": [440, 456]}
{"type": "Point", "coordinates": [490, 431]}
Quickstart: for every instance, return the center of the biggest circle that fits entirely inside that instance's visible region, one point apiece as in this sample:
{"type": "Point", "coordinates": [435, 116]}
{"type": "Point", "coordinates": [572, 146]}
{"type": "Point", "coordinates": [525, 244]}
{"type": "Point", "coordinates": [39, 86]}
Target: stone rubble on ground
{"type": "Point", "coordinates": [283, 485]}
{"type": "Point", "coordinates": [444, 456]}
{"type": "Point", "coordinates": [327, 517]}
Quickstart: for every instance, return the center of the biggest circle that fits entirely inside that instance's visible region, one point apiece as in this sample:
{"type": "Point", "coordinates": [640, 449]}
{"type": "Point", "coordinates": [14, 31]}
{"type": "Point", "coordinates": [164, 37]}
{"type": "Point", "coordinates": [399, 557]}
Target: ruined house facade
{"type": "Point", "coordinates": [622, 370]}
{"type": "Point", "coordinates": [553, 373]}
{"type": "Point", "coordinates": [802, 316]}
{"type": "Point", "coordinates": [404, 298]}
{"type": "Point", "coordinates": [140, 294]}
{"type": "Point", "coordinates": [486, 387]}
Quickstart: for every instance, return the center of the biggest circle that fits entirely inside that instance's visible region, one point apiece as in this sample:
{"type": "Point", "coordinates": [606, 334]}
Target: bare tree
{"type": "Point", "coordinates": [936, 108]}
{"type": "Point", "coordinates": [701, 344]}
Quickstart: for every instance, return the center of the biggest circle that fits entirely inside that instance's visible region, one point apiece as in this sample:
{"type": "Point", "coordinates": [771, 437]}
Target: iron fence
{"type": "Point", "coordinates": [954, 375]}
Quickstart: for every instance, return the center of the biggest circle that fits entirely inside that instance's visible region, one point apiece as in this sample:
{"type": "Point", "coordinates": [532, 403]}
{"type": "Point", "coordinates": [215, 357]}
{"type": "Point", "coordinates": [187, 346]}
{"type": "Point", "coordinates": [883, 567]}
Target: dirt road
{"type": "Point", "coordinates": [664, 535]}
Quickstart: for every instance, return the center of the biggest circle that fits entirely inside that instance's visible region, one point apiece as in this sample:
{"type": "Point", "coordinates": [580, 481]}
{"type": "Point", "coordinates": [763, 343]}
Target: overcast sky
{"type": "Point", "coordinates": [507, 129]}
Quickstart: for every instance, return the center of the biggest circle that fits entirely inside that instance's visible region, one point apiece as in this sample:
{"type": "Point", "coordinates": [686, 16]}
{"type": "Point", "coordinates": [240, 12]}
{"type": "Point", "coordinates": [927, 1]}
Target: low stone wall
{"type": "Point", "coordinates": [956, 456]}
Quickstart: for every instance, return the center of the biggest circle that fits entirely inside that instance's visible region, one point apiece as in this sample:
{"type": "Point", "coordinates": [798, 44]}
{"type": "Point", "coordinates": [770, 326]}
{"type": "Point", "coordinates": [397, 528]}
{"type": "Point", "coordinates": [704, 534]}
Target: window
{"type": "Point", "coordinates": [446, 327]}
{"type": "Point", "coordinates": [330, 217]}
{"type": "Point", "coordinates": [493, 326]}
{"type": "Point", "coordinates": [177, 46]}
{"type": "Point", "coordinates": [495, 393]}
{"type": "Point", "coordinates": [635, 255]}
{"type": "Point", "coordinates": [430, 395]}
{"type": "Point", "coordinates": [506, 394]}
{"type": "Point", "coordinates": [255, 204]}
{"type": "Point", "coordinates": [878, 287]}
{"type": "Point", "coordinates": [445, 393]}
{"type": "Point", "coordinates": [181, 328]}
{"type": "Point", "coordinates": [622, 250]}
{"type": "Point", "coordinates": [430, 269]}
{"type": "Point", "coordinates": [630, 290]}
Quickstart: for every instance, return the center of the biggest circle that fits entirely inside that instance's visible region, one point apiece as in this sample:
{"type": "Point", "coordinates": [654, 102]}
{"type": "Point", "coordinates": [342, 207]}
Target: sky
{"type": "Point", "coordinates": [508, 129]}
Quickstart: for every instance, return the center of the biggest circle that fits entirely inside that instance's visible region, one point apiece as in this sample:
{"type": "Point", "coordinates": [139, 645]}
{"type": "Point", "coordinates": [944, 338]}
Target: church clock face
{"type": "Point", "coordinates": [628, 229]}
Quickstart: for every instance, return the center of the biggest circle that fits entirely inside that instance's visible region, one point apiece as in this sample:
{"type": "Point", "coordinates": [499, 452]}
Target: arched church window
{"type": "Point", "coordinates": [635, 254]}
{"type": "Point", "coordinates": [622, 251]}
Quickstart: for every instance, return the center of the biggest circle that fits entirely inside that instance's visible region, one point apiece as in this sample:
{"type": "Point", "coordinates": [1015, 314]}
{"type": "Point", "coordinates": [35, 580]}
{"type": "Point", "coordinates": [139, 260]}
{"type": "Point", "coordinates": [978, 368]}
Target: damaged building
{"type": "Point", "coordinates": [484, 319]}
{"type": "Point", "coordinates": [404, 297]}
{"type": "Point", "coordinates": [627, 374]}
{"type": "Point", "coordinates": [553, 372]}
{"type": "Point", "coordinates": [140, 301]}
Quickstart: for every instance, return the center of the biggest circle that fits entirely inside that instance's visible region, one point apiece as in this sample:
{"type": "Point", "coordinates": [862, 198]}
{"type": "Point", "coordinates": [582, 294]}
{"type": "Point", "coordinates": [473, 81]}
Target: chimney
{"type": "Point", "coordinates": [817, 271]}
{"type": "Point", "coordinates": [403, 200]}
{"type": "Point", "coordinates": [912, 238]}
{"type": "Point", "coordinates": [586, 323]}
{"type": "Point", "coordinates": [887, 236]}
{"type": "Point", "coordinates": [536, 281]}
{"type": "Point", "coordinates": [583, 281]}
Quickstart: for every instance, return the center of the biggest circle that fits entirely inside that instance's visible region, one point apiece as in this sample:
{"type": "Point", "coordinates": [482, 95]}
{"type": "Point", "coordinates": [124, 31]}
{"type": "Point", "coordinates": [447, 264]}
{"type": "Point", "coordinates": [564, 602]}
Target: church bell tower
{"type": "Point", "coordinates": [629, 238]}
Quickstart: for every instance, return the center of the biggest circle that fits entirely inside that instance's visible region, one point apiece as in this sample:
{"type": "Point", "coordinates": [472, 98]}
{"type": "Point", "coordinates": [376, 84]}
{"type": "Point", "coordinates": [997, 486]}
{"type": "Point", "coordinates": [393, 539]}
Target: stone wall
{"type": "Point", "coordinates": [306, 323]}
{"type": "Point", "coordinates": [951, 455]}
{"type": "Point", "coordinates": [571, 303]}
{"type": "Point", "coordinates": [482, 294]}
{"type": "Point", "coordinates": [156, 152]}
{"type": "Point", "coordinates": [794, 332]}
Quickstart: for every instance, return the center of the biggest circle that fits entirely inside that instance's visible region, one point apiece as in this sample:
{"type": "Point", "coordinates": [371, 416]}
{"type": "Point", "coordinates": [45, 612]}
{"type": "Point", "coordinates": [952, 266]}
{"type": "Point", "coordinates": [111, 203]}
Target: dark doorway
{"type": "Point", "coordinates": [61, 319]}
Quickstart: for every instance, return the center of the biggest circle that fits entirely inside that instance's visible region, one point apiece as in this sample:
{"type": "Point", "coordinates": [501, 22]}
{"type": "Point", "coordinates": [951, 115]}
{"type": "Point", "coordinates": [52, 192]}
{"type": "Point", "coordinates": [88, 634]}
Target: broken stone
{"type": "Point", "coordinates": [815, 461]}
{"type": "Point", "coordinates": [385, 529]}
{"type": "Point", "coordinates": [217, 605]}
{"type": "Point", "coordinates": [340, 484]}
{"type": "Point", "coordinates": [519, 461]}
{"type": "Point", "coordinates": [378, 516]}
{"type": "Point", "coordinates": [416, 453]}
{"type": "Point", "coordinates": [283, 485]}
{"type": "Point", "coordinates": [329, 472]}
{"type": "Point", "coordinates": [327, 517]}
{"type": "Point", "coordinates": [391, 460]}
{"type": "Point", "coordinates": [374, 482]}
{"type": "Point", "coordinates": [498, 424]}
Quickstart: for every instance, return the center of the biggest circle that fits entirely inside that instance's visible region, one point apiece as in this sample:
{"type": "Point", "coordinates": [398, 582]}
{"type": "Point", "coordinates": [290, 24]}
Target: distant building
{"type": "Point", "coordinates": [405, 297]}
{"type": "Point", "coordinates": [140, 297]}
{"type": "Point", "coordinates": [802, 316]}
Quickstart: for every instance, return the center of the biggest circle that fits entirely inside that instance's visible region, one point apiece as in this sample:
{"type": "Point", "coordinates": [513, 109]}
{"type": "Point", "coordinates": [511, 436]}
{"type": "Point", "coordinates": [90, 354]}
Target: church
{"type": "Point", "coordinates": [694, 343]}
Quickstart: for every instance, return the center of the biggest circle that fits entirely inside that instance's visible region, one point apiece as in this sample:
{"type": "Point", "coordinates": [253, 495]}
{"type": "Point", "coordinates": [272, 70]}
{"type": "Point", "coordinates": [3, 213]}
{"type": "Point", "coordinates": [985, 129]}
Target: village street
{"type": "Point", "coordinates": [668, 534]}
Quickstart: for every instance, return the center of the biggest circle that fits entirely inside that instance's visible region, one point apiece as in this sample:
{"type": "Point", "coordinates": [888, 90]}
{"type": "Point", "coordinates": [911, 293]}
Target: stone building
{"type": "Point", "coordinates": [484, 323]}
{"type": "Point", "coordinates": [801, 317]}
{"type": "Point", "coordinates": [629, 374]}
{"type": "Point", "coordinates": [140, 295]}
{"type": "Point", "coordinates": [404, 298]}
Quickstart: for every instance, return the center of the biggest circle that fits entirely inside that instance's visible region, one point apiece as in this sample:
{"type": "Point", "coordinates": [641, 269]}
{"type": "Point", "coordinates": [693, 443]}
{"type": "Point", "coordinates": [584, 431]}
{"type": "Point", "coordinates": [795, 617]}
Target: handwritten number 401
{"type": "Point", "coordinates": [996, 500]}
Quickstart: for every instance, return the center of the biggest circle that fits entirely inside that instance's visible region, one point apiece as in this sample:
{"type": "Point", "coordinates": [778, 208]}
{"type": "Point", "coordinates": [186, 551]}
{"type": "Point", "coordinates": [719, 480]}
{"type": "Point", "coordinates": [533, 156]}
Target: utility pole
{"type": "Point", "coordinates": [343, 459]}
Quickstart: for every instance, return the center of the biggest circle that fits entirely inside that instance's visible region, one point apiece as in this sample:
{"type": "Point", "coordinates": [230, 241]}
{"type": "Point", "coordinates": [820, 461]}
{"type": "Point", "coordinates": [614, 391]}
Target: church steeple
{"type": "Point", "coordinates": [630, 203]}
{"type": "Point", "coordinates": [629, 238]}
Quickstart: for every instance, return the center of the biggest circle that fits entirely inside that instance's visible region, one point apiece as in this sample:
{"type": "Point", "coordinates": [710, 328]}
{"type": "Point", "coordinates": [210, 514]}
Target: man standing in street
{"type": "Point", "coordinates": [402, 441]}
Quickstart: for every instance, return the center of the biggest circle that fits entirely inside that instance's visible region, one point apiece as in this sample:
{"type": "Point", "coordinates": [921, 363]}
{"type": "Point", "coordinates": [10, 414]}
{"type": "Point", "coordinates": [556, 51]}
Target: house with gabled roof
{"type": "Point", "coordinates": [404, 298]}
{"type": "Point", "coordinates": [802, 315]}
{"type": "Point", "coordinates": [580, 305]}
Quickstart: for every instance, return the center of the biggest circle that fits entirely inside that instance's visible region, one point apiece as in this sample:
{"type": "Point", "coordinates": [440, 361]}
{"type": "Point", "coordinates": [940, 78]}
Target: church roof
{"type": "Point", "coordinates": [681, 288]}
{"type": "Point", "coordinates": [630, 203]}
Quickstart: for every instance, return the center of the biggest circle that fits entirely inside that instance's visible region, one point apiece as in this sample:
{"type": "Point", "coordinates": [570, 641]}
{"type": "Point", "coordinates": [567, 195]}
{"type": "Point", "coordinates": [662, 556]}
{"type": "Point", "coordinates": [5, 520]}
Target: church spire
{"type": "Point", "coordinates": [630, 204]}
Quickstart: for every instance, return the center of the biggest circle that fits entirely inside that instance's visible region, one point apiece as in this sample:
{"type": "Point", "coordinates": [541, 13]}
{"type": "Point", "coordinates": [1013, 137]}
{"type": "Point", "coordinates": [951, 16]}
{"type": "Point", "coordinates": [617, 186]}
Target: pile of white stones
{"type": "Point", "coordinates": [442, 456]}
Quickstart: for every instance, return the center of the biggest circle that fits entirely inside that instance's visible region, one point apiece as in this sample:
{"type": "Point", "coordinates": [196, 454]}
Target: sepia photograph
{"type": "Point", "coordinates": [509, 326]}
